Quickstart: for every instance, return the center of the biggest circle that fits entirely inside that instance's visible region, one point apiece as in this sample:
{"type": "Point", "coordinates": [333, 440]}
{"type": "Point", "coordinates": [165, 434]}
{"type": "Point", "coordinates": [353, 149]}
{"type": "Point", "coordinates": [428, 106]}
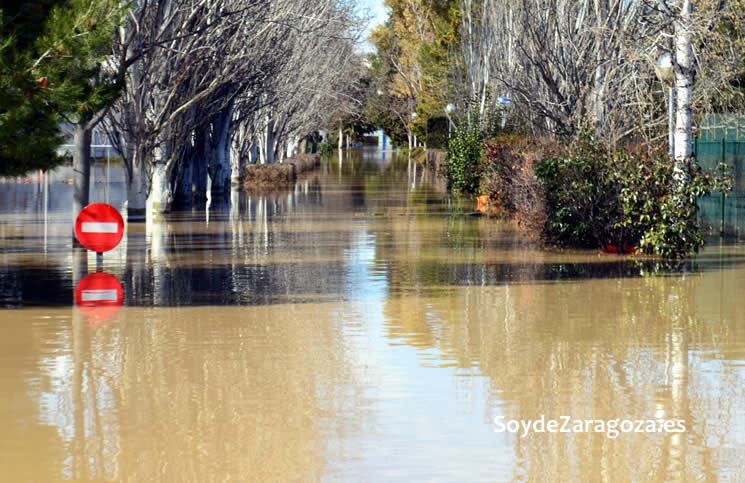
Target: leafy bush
{"type": "Point", "coordinates": [628, 200]}
{"type": "Point", "coordinates": [324, 148]}
{"type": "Point", "coordinates": [466, 150]}
{"type": "Point", "coordinates": [582, 196]}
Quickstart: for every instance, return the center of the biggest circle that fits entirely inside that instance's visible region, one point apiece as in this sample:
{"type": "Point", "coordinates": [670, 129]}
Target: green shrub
{"type": "Point", "coordinates": [324, 148]}
{"type": "Point", "coordinates": [581, 197]}
{"type": "Point", "coordinates": [466, 149]}
{"type": "Point", "coordinates": [465, 152]}
{"type": "Point", "coordinates": [628, 200]}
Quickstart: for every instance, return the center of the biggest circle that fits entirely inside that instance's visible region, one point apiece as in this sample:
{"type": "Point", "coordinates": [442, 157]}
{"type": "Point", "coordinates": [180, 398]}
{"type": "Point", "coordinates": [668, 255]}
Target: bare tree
{"type": "Point", "coordinates": [317, 69]}
{"type": "Point", "coordinates": [190, 55]}
{"type": "Point", "coordinates": [569, 64]}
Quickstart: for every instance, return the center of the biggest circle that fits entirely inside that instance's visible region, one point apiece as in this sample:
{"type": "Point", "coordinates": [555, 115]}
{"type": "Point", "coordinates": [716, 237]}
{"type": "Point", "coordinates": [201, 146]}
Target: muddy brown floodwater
{"type": "Point", "coordinates": [359, 327]}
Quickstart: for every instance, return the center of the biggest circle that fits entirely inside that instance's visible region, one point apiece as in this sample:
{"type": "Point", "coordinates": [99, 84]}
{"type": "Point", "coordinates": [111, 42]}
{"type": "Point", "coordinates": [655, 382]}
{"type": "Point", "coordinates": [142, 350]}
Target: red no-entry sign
{"type": "Point", "coordinates": [99, 227]}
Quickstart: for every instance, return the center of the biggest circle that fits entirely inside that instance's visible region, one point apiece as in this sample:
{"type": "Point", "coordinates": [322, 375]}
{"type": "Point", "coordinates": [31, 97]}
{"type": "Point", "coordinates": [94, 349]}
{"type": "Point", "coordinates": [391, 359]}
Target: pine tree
{"type": "Point", "coordinates": [51, 56]}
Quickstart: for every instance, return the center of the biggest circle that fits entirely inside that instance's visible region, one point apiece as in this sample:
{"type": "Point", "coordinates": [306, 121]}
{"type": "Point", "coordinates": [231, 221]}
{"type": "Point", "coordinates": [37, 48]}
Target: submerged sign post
{"type": "Point", "coordinates": [99, 227]}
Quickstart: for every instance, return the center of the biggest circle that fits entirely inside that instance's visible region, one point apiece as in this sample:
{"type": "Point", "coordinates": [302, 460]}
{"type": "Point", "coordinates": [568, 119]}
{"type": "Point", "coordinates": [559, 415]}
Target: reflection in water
{"type": "Point", "coordinates": [360, 325]}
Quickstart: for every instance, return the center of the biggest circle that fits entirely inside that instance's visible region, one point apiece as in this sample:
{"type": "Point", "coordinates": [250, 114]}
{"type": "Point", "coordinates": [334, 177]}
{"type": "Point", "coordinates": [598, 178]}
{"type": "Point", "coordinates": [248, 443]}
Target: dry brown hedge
{"type": "Point", "coordinates": [510, 182]}
{"type": "Point", "coordinates": [268, 176]}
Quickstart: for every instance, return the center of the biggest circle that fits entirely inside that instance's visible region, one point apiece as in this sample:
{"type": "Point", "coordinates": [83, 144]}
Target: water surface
{"type": "Point", "coordinates": [361, 326]}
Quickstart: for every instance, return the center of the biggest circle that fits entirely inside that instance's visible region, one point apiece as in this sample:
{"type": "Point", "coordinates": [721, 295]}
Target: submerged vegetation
{"type": "Point", "coordinates": [585, 195]}
{"type": "Point", "coordinates": [572, 86]}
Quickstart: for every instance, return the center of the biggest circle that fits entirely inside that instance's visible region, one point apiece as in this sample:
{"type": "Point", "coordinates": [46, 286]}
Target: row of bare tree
{"type": "Point", "coordinates": [211, 85]}
{"type": "Point", "coordinates": [567, 62]}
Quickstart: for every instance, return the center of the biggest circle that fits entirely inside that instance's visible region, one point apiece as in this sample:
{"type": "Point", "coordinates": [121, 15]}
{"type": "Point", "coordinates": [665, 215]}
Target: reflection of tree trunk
{"type": "Point", "coordinates": [79, 264]}
{"type": "Point", "coordinates": [135, 279]}
{"type": "Point", "coordinates": [680, 403]}
{"type": "Point", "coordinates": [157, 233]}
{"type": "Point", "coordinates": [81, 460]}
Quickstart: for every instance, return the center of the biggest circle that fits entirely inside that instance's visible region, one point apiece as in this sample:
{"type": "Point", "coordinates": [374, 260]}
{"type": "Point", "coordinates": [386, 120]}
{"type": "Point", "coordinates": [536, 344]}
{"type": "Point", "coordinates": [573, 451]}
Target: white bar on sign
{"type": "Point", "coordinates": [99, 227]}
{"type": "Point", "coordinates": [98, 295]}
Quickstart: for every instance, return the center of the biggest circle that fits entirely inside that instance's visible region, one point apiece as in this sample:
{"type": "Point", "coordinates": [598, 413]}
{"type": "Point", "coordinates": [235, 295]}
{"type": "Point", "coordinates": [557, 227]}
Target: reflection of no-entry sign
{"type": "Point", "coordinates": [99, 297]}
{"type": "Point", "coordinates": [99, 289]}
{"type": "Point", "coordinates": [99, 227]}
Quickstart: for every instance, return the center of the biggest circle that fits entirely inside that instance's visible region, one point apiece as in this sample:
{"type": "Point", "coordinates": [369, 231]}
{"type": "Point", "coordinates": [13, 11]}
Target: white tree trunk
{"type": "Point", "coordinates": [292, 146]}
{"type": "Point", "coordinates": [253, 153]}
{"type": "Point", "coordinates": [266, 144]}
{"type": "Point", "coordinates": [341, 136]}
{"type": "Point", "coordinates": [161, 189]}
{"type": "Point", "coordinates": [683, 87]}
{"type": "Point", "coordinates": [237, 159]}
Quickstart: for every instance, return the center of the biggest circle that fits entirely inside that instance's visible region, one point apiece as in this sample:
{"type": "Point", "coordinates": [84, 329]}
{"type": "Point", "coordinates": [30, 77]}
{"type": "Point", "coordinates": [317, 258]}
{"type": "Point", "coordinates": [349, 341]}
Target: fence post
{"type": "Point", "coordinates": [722, 195]}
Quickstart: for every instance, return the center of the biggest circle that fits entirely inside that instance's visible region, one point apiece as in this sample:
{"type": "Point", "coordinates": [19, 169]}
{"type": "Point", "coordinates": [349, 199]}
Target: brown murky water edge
{"type": "Point", "coordinates": [359, 328]}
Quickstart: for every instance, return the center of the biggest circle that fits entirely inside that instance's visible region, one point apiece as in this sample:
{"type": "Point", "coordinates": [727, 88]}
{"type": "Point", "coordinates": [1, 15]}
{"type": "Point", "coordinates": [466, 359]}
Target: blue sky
{"type": "Point", "coordinates": [377, 11]}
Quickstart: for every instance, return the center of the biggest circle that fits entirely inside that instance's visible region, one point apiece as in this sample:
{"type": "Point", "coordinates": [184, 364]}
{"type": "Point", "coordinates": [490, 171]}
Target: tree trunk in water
{"type": "Point", "coordinates": [683, 90]}
{"type": "Point", "coordinates": [162, 186]}
{"type": "Point", "coordinates": [81, 164]}
{"type": "Point", "coordinates": [219, 160]}
{"type": "Point", "coordinates": [137, 191]}
{"type": "Point", "coordinates": [253, 153]}
{"type": "Point", "coordinates": [341, 136]}
{"type": "Point", "coordinates": [182, 190]}
{"type": "Point", "coordinates": [304, 145]}
{"type": "Point", "coordinates": [292, 145]}
{"type": "Point", "coordinates": [161, 189]}
{"type": "Point", "coordinates": [237, 159]}
{"type": "Point", "coordinates": [137, 186]}
{"type": "Point", "coordinates": [199, 167]}
{"type": "Point", "coordinates": [266, 142]}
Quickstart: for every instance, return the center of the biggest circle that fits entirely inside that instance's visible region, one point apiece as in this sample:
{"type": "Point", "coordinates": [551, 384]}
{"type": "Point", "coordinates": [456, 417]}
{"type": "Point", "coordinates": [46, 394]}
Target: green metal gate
{"type": "Point", "coordinates": [719, 212]}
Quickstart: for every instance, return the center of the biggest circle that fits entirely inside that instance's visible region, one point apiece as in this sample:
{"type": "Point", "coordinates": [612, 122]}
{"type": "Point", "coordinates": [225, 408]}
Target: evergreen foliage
{"type": "Point", "coordinates": [596, 198]}
{"type": "Point", "coordinates": [51, 56]}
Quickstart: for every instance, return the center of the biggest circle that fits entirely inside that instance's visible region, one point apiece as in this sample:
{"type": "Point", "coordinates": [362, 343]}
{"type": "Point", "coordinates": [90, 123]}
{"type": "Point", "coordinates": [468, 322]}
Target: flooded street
{"type": "Point", "coordinates": [360, 326]}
